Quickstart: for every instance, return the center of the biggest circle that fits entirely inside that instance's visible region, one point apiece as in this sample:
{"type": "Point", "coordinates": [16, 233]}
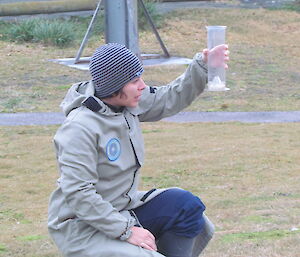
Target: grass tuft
{"type": "Point", "coordinates": [30, 238]}
{"type": "Point", "coordinates": [48, 32]}
{"type": "Point", "coordinates": [12, 216]}
{"type": "Point", "coordinates": [55, 33]}
{"type": "Point", "coordinates": [157, 18]}
{"type": "Point", "coordinates": [261, 235]}
{"type": "Point", "coordinates": [292, 6]}
{"type": "Point", "coordinates": [2, 248]}
{"type": "Point", "coordinates": [22, 31]}
{"type": "Point", "coordinates": [12, 103]}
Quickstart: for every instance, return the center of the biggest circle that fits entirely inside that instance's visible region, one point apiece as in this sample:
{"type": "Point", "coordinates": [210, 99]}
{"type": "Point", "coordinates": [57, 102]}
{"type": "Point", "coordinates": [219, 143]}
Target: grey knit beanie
{"type": "Point", "coordinates": [112, 66]}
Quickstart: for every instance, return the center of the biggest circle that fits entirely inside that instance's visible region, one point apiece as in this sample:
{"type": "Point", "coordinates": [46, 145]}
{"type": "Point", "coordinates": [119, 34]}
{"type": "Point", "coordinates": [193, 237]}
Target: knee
{"type": "Point", "coordinates": [203, 238]}
{"type": "Point", "coordinates": [208, 227]}
{"type": "Point", "coordinates": [190, 219]}
{"type": "Point", "coordinates": [192, 204]}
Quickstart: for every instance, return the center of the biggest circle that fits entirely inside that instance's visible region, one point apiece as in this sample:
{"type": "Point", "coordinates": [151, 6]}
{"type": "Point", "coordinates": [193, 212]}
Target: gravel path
{"type": "Point", "coordinates": [54, 118]}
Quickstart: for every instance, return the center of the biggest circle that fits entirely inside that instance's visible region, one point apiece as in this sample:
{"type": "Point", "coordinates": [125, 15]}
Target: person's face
{"type": "Point", "coordinates": [131, 93]}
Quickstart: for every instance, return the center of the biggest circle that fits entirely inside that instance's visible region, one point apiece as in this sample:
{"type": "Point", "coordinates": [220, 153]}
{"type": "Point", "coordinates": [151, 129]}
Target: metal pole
{"type": "Point", "coordinates": [121, 23]}
{"type": "Point", "coordinates": [154, 29]}
{"type": "Point", "coordinates": [132, 27]}
{"type": "Point", "coordinates": [115, 22]}
{"type": "Point", "coordinates": [87, 34]}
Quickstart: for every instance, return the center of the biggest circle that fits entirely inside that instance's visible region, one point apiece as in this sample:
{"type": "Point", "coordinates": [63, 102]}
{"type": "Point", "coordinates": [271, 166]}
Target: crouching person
{"type": "Point", "coordinates": [97, 209]}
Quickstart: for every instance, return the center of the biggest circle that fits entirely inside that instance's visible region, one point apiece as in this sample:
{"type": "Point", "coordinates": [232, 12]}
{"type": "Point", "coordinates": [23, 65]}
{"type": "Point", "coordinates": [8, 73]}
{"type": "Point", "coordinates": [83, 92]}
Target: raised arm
{"type": "Point", "coordinates": [160, 102]}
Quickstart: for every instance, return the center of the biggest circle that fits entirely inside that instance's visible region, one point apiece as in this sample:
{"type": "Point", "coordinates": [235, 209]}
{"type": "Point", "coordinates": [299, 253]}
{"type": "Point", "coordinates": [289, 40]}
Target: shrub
{"type": "Point", "coordinates": [55, 32]}
{"type": "Point", "coordinates": [22, 31]}
{"type": "Point", "coordinates": [49, 32]}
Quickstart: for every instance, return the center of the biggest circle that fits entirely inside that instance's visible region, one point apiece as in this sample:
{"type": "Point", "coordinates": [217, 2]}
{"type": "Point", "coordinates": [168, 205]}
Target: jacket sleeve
{"type": "Point", "coordinates": [77, 157]}
{"type": "Point", "coordinates": [164, 101]}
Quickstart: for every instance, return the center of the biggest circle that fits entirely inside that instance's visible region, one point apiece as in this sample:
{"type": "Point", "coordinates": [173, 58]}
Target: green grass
{"type": "Point", "coordinates": [53, 32]}
{"type": "Point", "coordinates": [21, 31]}
{"type": "Point", "coordinates": [246, 174]}
{"type": "Point", "coordinates": [2, 248]}
{"type": "Point", "coordinates": [261, 235]}
{"type": "Point", "coordinates": [258, 219]}
{"type": "Point", "coordinates": [292, 6]}
{"type": "Point", "coordinates": [30, 238]}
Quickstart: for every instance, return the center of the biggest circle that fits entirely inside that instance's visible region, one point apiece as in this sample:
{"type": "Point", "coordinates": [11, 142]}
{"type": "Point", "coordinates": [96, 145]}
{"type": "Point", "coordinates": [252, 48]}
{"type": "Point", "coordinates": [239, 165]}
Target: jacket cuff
{"type": "Point", "coordinates": [199, 59]}
{"type": "Point", "coordinates": [127, 233]}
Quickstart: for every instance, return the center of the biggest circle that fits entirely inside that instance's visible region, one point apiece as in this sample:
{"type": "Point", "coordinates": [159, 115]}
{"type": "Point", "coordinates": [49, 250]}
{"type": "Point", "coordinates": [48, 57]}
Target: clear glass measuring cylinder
{"type": "Point", "coordinates": [216, 70]}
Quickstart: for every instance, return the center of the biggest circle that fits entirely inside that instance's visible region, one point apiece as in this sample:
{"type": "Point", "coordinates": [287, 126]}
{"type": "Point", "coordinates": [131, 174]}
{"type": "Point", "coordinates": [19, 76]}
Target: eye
{"type": "Point", "coordinates": [135, 80]}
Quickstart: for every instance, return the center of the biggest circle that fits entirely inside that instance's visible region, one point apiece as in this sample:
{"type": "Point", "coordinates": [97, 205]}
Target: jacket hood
{"type": "Point", "coordinates": [77, 94]}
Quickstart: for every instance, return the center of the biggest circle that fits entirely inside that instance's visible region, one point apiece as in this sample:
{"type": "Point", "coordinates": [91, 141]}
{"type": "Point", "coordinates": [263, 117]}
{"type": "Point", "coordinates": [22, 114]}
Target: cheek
{"type": "Point", "coordinates": [131, 91]}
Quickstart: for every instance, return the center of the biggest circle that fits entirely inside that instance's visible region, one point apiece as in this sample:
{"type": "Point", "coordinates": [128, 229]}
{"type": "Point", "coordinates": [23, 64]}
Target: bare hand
{"type": "Point", "coordinates": [219, 56]}
{"type": "Point", "coordinates": [143, 238]}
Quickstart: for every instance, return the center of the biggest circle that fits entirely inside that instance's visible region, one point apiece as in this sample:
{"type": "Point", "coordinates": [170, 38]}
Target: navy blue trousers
{"type": "Point", "coordinates": [175, 210]}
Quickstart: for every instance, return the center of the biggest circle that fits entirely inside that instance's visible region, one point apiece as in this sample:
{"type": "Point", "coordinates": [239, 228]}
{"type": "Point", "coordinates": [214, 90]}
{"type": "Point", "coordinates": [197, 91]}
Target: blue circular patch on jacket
{"type": "Point", "coordinates": [113, 149]}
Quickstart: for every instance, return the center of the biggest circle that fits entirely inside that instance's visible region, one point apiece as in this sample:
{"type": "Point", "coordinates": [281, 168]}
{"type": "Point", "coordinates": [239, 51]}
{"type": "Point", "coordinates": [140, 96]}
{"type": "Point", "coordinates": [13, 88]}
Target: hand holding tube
{"type": "Point", "coordinates": [218, 56]}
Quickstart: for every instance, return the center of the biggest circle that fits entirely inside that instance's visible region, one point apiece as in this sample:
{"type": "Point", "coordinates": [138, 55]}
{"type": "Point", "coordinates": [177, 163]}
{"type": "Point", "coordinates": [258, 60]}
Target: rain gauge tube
{"type": "Point", "coordinates": [216, 73]}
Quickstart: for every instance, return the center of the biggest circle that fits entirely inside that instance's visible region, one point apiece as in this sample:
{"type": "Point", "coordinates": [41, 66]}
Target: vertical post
{"type": "Point", "coordinates": [121, 23]}
{"type": "Point", "coordinates": [115, 21]}
{"type": "Point", "coordinates": [132, 27]}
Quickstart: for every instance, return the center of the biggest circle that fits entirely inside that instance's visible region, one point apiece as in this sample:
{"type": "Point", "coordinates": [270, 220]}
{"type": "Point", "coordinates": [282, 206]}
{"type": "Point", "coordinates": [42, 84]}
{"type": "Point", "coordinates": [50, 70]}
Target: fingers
{"type": "Point", "coordinates": [149, 241]}
{"type": "Point", "coordinates": [149, 235]}
{"type": "Point", "coordinates": [205, 54]}
{"type": "Point", "coordinates": [205, 51]}
{"type": "Point", "coordinates": [145, 246]}
{"type": "Point", "coordinates": [216, 53]}
{"type": "Point", "coordinates": [226, 58]}
{"type": "Point", "coordinates": [219, 48]}
{"type": "Point", "coordinates": [149, 245]}
{"type": "Point", "coordinates": [143, 238]}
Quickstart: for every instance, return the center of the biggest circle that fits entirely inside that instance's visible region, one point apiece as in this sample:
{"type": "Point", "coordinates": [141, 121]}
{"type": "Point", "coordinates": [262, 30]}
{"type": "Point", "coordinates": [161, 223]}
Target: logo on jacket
{"type": "Point", "coordinates": [113, 149]}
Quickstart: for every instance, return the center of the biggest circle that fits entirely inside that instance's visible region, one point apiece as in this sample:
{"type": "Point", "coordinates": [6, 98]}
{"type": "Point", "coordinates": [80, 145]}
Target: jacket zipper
{"type": "Point", "coordinates": [136, 160]}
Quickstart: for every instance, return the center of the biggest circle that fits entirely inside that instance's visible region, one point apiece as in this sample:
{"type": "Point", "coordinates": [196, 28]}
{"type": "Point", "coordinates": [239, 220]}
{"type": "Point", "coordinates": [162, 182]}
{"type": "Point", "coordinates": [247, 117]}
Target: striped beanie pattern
{"type": "Point", "coordinates": [112, 66]}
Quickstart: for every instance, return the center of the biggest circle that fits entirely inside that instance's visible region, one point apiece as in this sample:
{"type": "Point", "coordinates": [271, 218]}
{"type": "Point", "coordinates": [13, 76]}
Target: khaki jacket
{"type": "Point", "coordinates": [99, 155]}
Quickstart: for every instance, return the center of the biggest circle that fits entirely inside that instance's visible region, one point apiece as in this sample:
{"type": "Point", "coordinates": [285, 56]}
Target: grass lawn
{"type": "Point", "coordinates": [247, 174]}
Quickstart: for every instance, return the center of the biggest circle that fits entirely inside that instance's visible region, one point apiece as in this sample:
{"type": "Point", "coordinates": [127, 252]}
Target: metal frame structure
{"type": "Point", "coordinates": [121, 25]}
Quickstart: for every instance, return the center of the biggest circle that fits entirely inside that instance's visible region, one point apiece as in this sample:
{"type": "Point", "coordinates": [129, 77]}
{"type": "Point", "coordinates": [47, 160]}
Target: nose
{"type": "Point", "coordinates": [141, 85]}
